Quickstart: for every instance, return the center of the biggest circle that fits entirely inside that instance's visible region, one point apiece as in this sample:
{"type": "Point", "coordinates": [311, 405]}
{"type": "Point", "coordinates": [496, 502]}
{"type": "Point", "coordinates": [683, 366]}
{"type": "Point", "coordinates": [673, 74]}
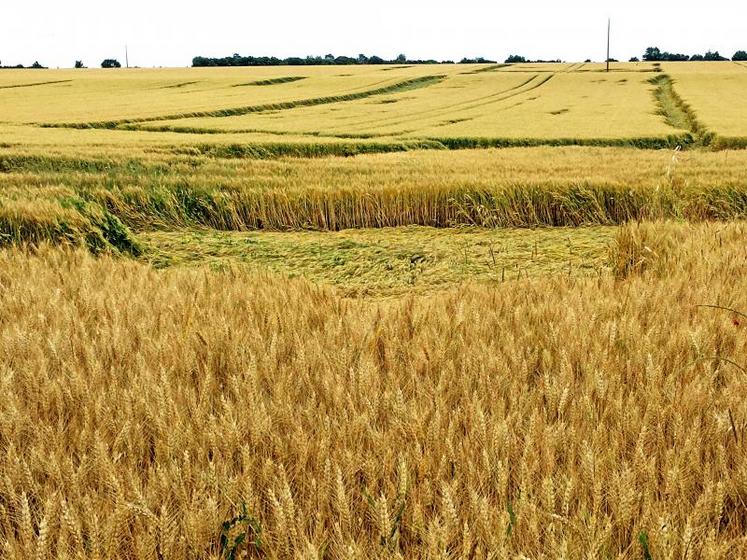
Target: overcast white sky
{"type": "Point", "coordinates": [170, 33]}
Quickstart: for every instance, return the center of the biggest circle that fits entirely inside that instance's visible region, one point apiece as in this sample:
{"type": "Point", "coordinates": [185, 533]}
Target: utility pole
{"type": "Point", "coordinates": [127, 57]}
{"type": "Point", "coordinates": [609, 24]}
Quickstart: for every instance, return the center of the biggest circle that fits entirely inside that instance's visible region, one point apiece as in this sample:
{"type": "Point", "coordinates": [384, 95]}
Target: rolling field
{"type": "Point", "coordinates": [485, 105]}
{"type": "Point", "coordinates": [437, 311]}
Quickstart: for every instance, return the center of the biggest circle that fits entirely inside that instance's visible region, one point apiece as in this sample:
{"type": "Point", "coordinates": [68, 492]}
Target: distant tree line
{"type": "Point", "coordinates": [478, 60]}
{"type": "Point", "coordinates": [517, 59]}
{"type": "Point", "coordinates": [35, 65]}
{"type": "Point", "coordinates": [654, 54]}
{"type": "Point", "coordinates": [238, 60]}
{"type": "Point", "coordinates": [108, 63]}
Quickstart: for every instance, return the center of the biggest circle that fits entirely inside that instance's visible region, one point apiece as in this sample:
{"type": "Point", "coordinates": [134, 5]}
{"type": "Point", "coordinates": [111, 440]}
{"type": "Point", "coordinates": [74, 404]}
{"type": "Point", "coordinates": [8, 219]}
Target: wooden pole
{"type": "Point", "coordinates": [127, 57]}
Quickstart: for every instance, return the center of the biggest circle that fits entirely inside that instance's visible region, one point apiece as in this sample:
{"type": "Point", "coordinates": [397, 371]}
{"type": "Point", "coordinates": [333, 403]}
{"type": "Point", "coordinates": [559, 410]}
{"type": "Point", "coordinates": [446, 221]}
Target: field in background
{"type": "Point", "coordinates": [456, 105]}
{"type": "Point", "coordinates": [447, 311]}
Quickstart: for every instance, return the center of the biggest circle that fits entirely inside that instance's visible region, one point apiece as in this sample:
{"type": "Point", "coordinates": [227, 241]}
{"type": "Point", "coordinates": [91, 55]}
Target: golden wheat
{"type": "Point", "coordinates": [546, 418]}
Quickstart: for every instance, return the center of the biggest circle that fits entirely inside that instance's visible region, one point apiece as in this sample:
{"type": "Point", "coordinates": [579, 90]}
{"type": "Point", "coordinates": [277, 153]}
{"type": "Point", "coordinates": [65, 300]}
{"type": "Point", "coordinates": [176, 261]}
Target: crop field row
{"type": "Point", "coordinates": [450, 105]}
{"type": "Point", "coordinates": [105, 201]}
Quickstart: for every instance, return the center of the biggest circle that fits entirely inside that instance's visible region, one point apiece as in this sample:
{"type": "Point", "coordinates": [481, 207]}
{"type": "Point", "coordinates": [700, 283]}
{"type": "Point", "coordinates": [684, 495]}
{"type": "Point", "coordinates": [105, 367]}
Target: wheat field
{"type": "Point", "coordinates": [452, 311]}
{"type": "Point", "coordinates": [568, 418]}
{"type": "Point", "coordinates": [543, 103]}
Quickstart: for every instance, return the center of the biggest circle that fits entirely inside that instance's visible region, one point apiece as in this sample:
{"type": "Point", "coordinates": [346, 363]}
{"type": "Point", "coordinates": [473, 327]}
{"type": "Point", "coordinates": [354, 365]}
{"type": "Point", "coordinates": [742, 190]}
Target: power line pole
{"type": "Point", "coordinates": [609, 24]}
{"type": "Point", "coordinates": [127, 57]}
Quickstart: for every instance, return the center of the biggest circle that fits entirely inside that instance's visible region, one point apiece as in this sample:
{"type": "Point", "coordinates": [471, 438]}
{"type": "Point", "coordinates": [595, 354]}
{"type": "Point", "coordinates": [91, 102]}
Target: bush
{"type": "Point", "coordinates": [79, 64]}
{"type": "Point", "coordinates": [714, 56]}
{"type": "Point", "coordinates": [515, 59]}
{"type": "Point", "coordinates": [111, 63]}
{"type": "Point", "coordinates": [739, 55]}
{"type": "Point", "coordinates": [478, 60]}
{"type": "Point", "coordinates": [653, 54]}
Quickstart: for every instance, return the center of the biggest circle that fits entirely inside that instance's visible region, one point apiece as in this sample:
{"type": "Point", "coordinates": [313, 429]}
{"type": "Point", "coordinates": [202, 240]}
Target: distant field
{"type": "Point", "coordinates": [458, 105]}
{"type": "Point", "coordinates": [54, 96]}
{"type": "Point", "coordinates": [545, 104]}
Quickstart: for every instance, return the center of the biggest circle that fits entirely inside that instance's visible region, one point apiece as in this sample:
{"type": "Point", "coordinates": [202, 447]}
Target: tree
{"type": "Point", "coordinates": [652, 54]}
{"type": "Point", "coordinates": [36, 65]}
{"type": "Point", "coordinates": [401, 59]}
{"type": "Point", "coordinates": [79, 64]}
{"type": "Point", "coordinates": [713, 56]}
{"type": "Point", "coordinates": [515, 58]}
{"type": "Point", "coordinates": [697, 58]}
{"type": "Point", "coordinates": [111, 63]}
{"type": "Point", "coordinates": [634, 59]}
{"type": "Point", "coordinates": [739, 55]}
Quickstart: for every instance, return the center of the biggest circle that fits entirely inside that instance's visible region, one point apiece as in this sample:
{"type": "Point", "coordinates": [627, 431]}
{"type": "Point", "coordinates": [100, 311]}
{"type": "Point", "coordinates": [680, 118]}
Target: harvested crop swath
{"type": "Point", "coordinates": [16, 86]}
{"type": "Point", "coordinates": [273, 81]}
{"type": "Point", "coordinates": [236, 111]}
